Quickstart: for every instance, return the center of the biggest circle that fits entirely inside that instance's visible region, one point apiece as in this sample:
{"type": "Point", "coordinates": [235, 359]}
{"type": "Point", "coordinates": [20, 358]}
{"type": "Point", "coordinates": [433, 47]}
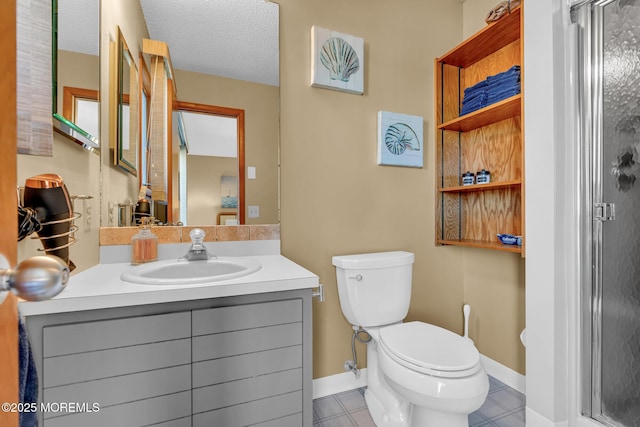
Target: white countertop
{"type": "Point", "coordinates": [100, 287]}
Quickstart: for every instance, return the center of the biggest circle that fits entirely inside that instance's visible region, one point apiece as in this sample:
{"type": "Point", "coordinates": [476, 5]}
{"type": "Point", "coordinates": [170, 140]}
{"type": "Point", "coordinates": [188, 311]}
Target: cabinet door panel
{"type": "Point", "coordinates": [105, 334]}
{"type": "Point", "coordinates": [140, 413]}
{"type": "Point", "coordinates": [234, 318]}
{"type": "Point", "coordinates": [294, 420]}
{"type": "Point", "coordinates": [252, 412]}
{"type": "Point", "coordinates": [182, 422]}
{"type": "Point", "coordinates": [246, 366]}
{"type": "Point", "coordinates": [122, 389]}
{"type": "Point", "coordinates": [247, 390]}
{"type": "Point", "coordinates": [61, 370]}
{"type": "Point", "coordinates": [208, 347]}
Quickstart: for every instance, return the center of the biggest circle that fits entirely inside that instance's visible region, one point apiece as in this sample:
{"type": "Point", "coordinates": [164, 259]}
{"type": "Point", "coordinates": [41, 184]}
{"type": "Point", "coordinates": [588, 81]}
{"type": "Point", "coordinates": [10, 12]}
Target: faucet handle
{"type": "Point", "coordinates": [197, 236]}
{"type": "Point", "coordinates": [197, 251]}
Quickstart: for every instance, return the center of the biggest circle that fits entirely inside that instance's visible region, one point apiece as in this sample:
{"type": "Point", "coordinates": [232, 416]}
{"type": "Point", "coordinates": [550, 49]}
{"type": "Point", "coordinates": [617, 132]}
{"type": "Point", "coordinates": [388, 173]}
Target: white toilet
{"type": "Point", "coordinates": [418, 374]}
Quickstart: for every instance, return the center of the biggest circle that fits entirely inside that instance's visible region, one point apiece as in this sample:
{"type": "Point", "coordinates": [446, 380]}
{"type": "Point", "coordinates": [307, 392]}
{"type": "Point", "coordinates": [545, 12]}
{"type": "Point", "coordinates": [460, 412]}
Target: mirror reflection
{"type": "Point", "coordinates": [213, 150]}
{"type": "Point", "coordinates": [76, 70]}
{"type": "Point", "coordinates": [127, 135]}
{"type": "Point", "coordinates": [206, 73]}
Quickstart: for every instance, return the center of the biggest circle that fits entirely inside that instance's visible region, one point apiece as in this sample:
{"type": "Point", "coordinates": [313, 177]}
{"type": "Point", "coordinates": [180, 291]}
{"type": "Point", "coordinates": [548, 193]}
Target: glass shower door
{"type": "Point", "coordinates": [615, 358]}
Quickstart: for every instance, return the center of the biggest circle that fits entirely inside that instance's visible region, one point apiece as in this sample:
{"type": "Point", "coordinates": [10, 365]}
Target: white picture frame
{"type": "Point", "coordinates": [400, 140]}
{"type": "Point", "coordinates": [337, 61]}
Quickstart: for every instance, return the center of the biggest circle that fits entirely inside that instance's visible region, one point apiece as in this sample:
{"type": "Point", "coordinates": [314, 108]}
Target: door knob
{"type": "Point", "coordinates": [35, 279]}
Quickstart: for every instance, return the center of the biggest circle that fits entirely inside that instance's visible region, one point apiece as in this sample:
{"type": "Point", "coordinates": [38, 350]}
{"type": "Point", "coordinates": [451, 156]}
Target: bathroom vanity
{"type": "Point", "coordinates": [233, 352]}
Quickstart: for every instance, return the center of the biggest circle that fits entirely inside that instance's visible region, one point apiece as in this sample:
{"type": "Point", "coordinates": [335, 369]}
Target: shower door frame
{"type": "Point", "coordinates": [589, 15]}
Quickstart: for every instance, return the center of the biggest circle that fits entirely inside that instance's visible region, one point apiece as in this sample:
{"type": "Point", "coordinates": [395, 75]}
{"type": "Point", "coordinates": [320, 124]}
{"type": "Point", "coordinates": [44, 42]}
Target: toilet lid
{"type": "Point", "coordinates": [430, 349]}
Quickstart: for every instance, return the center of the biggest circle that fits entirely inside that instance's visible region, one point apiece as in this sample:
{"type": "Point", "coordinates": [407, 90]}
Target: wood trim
{"type": "Point", "coordinates": [239, 115]}
{"type": "Point", "coordinates": [8, 208]}
{"type": "Point", "coordinates": [69, 96]}
{"type": "Point", "coordinates": [491, 38]}
{"type": "Point", "coordinates": [158, 48]}
{"type": "Point", "coordinates": [505, 109]}
{"type": "Point", "coordinates": [482, 244]}
{"type": "Point", "coordinates": [169, 154]}
{"type": "Point", "coordinates": [241, 168]}
{"type": "Point", "coordinates": [522, 121]}
{"type": "Point", "coordinates": [8, 133]}
{"type": "Point", "coordinates": [490, 138]}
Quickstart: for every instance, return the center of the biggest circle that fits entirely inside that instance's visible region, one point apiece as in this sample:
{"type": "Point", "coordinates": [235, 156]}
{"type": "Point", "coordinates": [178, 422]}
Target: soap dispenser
{"type": "Point", "coordinates": [144, 245]}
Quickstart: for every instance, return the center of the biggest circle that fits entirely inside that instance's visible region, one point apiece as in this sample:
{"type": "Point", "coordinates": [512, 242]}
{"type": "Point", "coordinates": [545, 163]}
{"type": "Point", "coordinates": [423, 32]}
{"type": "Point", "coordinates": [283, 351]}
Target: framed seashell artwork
{"type": "Point", "coordinates": [400, 140]}
{"type": "Point", "coordinates": [337, 61]}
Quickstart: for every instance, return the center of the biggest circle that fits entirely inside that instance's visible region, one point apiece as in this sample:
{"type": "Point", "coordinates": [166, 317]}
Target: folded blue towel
{"type": "Point", "coordinates": [505, 81]}
{"type": "Point", "coordinates": [475, 102]}
{"type": "Point", "coordinates": [491, 90]}
{"type": "Point", "coordinates": [502, 95]}
{"type": "Point", "coordinates": [476, 87]}
{"type": "Point", "coordinates": [28, 378]}
{"type": "Point", "coordinates": [466, 109]}
{"type": "Point", "coordinates": [515, 70]}
{"type": "Point", "coordinates": [503, 76]}
{"type": "Point", "coordinates": [480, 96]}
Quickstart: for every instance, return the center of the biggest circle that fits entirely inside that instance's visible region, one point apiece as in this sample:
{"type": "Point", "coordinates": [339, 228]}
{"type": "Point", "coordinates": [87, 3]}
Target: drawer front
{"type": "Point", "coordinates": [226, 344]}
{"type": "Point", "coordinates": [216, 371]}
{"type": "Point", "coordinates": [250, 413]}
{"type": "Point", "coordinates": [106, 334]}
{"type": "Point", "coordinates": [182, 422]}
{"type": "Point", "coordinates": [234, 318]}
{"type": "Point", "coordinates": [246, 390]}
{"type": "Point", "coordinates": [73, 368]}
{"type": "Point", "coordinates": [135, 414]}
{"type": "Point", "coordinates": [294, 420]}
{"type": "Point", "coordinates": [122, 389]}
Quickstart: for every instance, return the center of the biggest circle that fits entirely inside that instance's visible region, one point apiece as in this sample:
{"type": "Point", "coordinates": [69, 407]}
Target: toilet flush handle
{"type": "Point", "coordinates": [358, 277]}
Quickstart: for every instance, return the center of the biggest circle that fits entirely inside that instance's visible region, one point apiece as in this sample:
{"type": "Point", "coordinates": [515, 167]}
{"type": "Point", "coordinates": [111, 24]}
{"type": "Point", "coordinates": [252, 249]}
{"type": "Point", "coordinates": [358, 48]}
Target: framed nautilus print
{"type": "Point", "coordinates": [337, 61]}
{"type": "Point", "coordinates": [400, 140]}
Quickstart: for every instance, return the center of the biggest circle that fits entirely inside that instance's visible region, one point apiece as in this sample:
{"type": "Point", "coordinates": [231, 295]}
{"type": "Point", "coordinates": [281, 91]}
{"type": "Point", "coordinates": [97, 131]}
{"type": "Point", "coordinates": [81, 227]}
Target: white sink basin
{"type": "Point", "coordinates": [182, 272]}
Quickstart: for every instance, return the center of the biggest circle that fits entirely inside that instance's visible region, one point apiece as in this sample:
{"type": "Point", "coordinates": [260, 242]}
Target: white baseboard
{"type": "Point", "coordinates": [534, 419]}
{"type": "Point", "coordinates": [502, 373]}
{"type": "Point", "coordinates": [346, 381]}
{"type": "Point", "coordinates": [338, 383]}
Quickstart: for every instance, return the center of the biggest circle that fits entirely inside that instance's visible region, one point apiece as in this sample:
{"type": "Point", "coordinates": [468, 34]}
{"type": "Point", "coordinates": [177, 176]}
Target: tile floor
{"type": "Point", "coordinates": [504, 407]}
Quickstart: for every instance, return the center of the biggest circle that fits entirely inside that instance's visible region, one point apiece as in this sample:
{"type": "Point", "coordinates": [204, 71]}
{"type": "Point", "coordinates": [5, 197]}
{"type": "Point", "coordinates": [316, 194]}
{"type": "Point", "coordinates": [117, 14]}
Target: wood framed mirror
{"type": "Point", "coordinates": [127, 132]}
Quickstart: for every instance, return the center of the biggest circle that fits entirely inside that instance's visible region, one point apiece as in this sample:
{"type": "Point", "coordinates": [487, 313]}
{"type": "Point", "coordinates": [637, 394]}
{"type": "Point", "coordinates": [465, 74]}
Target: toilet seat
{"type": "Point", "coordinates": [430, 349]}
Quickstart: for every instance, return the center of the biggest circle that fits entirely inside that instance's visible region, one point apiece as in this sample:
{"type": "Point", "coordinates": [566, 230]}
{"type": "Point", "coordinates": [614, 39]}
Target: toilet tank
{"type": "Point", "coordinates": [375, 288]}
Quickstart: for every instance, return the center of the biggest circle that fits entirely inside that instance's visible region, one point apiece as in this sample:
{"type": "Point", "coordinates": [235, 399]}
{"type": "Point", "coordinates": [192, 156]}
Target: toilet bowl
{"type": "Point", "coordinates": [418, 374]}
{"type": "Point", "coordinates": [437, 371]}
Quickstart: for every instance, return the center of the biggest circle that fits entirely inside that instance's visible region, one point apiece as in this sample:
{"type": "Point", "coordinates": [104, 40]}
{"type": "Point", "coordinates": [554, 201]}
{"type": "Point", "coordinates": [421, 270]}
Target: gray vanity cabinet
{"type": "Point", "coordinates": [224, 362]}
{"type": "Point", "coordinates": [247, 365]}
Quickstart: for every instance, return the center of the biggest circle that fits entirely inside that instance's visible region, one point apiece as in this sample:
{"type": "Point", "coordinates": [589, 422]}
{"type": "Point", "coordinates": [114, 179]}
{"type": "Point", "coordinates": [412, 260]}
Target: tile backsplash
{"type": "Point", "coordinates": [110, 236]}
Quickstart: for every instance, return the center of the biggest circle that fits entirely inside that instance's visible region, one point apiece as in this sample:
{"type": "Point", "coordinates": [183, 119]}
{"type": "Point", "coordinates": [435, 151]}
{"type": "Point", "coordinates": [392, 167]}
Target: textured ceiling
{"type": "Point", "coordinates": [237, 39]}
{"type": "Point", "coordinates": [78, 26]}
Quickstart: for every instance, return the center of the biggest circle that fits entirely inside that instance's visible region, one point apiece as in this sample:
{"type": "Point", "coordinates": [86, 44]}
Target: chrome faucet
{"type": "Point", "coordinates": [197, 251]}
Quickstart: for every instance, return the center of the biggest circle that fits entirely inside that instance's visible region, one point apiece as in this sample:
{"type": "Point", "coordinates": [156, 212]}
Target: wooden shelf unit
{"type": "Point", "coordinates": [490, 138]}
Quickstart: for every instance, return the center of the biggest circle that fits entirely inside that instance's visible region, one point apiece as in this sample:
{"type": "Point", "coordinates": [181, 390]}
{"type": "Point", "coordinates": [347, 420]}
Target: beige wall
{"type": "Point", "coordinates": [117, 185]}
{"type": "Point", "coordinates": [261, 104]}
{"type": "Point", "coordinates": [203, 187]}
{"type": "Point", "coordinates": [336, 200]}
{"type": "Point", "coordinates": [79, 168]}
{"type": "Point", "coordinates": [473, 15]}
